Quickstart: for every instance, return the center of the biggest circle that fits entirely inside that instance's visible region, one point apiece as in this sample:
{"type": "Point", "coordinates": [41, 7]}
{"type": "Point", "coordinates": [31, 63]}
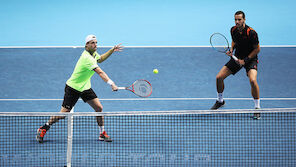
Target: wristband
{"type": "Point", "coordinates": [110, 82]}
{"type": "Point", "coordinates": [247, 60]}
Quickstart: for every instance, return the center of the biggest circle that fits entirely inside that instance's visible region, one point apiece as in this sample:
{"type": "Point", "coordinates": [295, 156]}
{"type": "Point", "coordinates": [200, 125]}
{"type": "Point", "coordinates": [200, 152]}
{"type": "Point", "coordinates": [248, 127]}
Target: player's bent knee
{"type": "Point", "coordinates": [63, 109]}
{"type": "Point", "coordinates": [219, 78]}
{"type": "Point", "coordinates": [253, 82]}
{"type": "Point", "coordinates": [99, 109]}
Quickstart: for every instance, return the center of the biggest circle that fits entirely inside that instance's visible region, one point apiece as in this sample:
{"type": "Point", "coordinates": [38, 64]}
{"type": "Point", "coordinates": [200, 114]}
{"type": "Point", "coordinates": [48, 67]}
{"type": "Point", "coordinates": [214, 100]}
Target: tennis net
{"type": "Point", "coordinates": [152, 138]}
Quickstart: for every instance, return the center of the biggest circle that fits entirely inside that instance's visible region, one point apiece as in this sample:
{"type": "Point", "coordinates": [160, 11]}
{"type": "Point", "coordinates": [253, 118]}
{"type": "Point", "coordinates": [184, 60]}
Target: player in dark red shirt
{"type": "Point", "coordinates": [246, 45]}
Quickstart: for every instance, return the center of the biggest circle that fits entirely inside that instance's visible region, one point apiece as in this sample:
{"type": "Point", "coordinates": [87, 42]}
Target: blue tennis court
{"type": "Point", "coordinates": [33, 80]}
{"type": "Point", "coordinates": [183, 73]}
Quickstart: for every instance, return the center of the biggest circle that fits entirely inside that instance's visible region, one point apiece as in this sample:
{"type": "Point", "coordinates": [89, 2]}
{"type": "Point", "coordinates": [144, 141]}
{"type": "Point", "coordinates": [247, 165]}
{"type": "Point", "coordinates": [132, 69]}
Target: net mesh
{"type": "Point", "coordinates": [154, 139]}
{"type": "Point", "coordinates": [18, 146]}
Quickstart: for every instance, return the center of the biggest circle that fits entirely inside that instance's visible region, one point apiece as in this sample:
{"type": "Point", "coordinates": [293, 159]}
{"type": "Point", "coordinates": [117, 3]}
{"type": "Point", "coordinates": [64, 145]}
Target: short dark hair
{"type": "Point", "coordinates": [240, 12]}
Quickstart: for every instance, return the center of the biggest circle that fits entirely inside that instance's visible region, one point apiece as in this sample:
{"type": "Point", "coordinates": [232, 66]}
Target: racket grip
{"type": "Point", "coordinates": [234, 57]}
{"type": "Point", "coordinates": [120, 88]}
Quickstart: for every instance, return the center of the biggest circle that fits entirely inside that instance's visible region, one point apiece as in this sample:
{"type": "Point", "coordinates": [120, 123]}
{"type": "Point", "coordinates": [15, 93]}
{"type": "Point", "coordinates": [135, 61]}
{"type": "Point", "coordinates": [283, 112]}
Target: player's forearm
{"type": "Point", "coordinates": [232, 46]}
{"type": "Point", "coordinates": [106, 55]}
{"type": "Point", "coordinates": [251, 55]}
{"type": "Point", "coordinates": [102, 74]}
{"type": "Point", "coordinates": [254, 52]}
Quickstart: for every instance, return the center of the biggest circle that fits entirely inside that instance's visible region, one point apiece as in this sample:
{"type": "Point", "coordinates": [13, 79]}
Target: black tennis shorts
{"type": "Point", "coordinates": [71, 96]}
{"type": "Point", "coordinates": [234, 67]}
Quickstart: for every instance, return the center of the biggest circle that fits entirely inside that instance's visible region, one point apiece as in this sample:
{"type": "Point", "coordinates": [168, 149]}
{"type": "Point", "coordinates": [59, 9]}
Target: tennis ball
{"type": "Point", "coordinates": [155, 71]}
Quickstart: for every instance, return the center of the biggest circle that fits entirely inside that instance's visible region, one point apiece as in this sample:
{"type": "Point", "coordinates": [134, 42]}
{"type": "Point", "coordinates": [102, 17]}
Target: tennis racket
{"type": "Point", "coordinates": [220, 43]}
{"type": "Point", "coordinates": [140, 88]}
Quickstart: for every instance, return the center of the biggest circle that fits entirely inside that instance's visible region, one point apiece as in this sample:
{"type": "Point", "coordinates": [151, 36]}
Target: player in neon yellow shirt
{"type": "Point", "coordinates": [79, 86]}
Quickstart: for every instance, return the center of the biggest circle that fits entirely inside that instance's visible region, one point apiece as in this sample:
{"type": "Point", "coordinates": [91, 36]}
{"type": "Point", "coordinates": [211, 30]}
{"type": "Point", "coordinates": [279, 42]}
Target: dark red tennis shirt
{"type": "Point", "coordinates": [244, 41]}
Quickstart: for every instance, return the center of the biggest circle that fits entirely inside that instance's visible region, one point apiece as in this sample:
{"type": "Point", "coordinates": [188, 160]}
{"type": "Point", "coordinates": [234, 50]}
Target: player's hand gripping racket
{"type": "Point", "coordinates": [220, 43]}
{"type": "Point", "coordinates": [140, 87]}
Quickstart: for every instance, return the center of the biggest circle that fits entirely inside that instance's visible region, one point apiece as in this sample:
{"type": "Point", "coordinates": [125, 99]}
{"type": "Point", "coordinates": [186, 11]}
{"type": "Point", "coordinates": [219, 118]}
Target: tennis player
{"type": "Point", "coordinates": [246, 45]}
{"type": "Point", "coordinates": [79, 86]}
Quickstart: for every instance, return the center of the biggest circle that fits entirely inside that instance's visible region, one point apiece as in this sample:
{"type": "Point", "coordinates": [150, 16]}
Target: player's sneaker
{"type": "Point", "coordinates": [40, 133]}
{"type": "Point", "coordinates": [218, 105]}
{"type": "Point", "coordinates": [257, 115]}
{"type": "Point", "coordinates": [105, 137]}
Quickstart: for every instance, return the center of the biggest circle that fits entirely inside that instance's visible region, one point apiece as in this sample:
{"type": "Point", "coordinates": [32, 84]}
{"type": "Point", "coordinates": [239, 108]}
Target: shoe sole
{"type": "Point", "coordinates": [218, 107]}
{"type": "Point", "coordinates": [256, 118]}
{"type": "Point", "coordinates": [258, 115]}
{"type": "Point", "coordinates": [105, 140]}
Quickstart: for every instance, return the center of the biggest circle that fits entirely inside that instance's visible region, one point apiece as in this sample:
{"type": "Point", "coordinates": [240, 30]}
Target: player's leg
{"type": "Point", "coordinates": [223, 74]}
{"type": "Point", "coordinates": [55, 119]}
{"type": "Point", "coordinates": [231, 67]}
{"type": "Point", "coordinates": [97, 106]}
{"type": "Point", "coordinates": [70, 98]}
{"type": "Point", "coordinates": [252, 74]}
{"type": "Point", "coordinates": [251, 69]}
{"type": "Point", "coordinates": [43, 129]}
{"type": "Point", "coordinates": [90, 97]}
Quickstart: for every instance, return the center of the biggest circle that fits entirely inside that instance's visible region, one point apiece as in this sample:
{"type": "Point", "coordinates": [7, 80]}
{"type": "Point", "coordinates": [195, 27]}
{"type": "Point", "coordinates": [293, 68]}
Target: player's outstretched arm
{"type": "Point", "coordinates": [105, 78]}
{"type": "Point", "coordinates": [116, 48]}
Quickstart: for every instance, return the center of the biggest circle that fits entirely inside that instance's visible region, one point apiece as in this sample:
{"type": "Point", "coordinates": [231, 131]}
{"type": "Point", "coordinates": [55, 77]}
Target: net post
{"type": "Point", "coordinates": [70, 134]}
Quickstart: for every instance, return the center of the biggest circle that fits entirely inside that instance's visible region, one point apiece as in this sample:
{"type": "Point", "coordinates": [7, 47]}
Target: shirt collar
{"type": "Point", "coordinates": [93, 55]}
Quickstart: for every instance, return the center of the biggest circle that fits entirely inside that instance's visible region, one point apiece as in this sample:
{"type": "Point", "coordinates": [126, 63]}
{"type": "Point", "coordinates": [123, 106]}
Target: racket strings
{"type": "Point", "coordinates": [219, 42]}
{"type": "Point", "coordinates": [142, 88]}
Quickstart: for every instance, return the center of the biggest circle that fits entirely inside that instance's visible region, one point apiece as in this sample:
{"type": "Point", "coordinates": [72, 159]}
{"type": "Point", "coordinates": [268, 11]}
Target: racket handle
{"type": "Point", "coordinates": [120, 88]}
{"type": "Point", "coordinates": [234, 57]}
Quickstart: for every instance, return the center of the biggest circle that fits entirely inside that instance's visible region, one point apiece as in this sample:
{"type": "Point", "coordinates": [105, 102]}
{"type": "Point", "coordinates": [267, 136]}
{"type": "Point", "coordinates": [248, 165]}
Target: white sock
{"type": "Point", "coordinates": [220, 97]}
{"type": "Point", "coordinates": [257, 103]}
{"type": "Point", "coordinates": [102, 129]}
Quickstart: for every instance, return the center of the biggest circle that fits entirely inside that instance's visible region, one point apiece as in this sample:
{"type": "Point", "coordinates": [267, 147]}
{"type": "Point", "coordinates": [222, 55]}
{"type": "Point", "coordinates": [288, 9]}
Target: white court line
{"type": "Point", "coordinates": [200, 46]}
{"type": "Point", "coordinates": [155, 99]}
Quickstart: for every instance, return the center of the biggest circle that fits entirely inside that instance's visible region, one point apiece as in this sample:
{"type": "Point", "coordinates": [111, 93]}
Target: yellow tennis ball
{"type": "Point", "coordinates": [155, 71]}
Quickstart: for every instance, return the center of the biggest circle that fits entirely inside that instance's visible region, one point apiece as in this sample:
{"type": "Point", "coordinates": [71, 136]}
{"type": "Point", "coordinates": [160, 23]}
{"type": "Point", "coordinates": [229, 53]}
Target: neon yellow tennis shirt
{"type": "Point", "coordinates": [80, 78]}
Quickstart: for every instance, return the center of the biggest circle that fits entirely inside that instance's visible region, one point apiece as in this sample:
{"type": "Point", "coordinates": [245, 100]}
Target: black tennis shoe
{"type": "Point", "coordinates": [257, 115]}
{"type": "Point", "coordinates": [218, 105]}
